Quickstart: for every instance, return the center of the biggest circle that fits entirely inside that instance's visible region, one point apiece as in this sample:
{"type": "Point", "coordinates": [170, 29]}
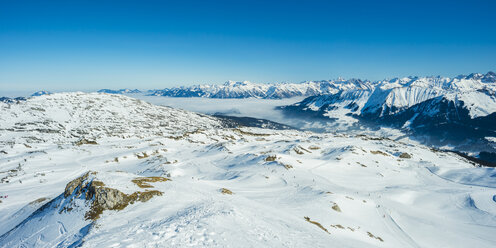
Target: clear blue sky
{"type": "Point", "coordinates": [71, 44]}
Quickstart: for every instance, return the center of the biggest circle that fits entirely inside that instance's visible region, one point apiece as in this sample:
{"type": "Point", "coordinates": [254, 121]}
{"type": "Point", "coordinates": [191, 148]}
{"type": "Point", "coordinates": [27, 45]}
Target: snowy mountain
{"type": "Point", "coordinates": [40, 93]}
{"type": "Point", "coordinates": [12, 100]}
{"type": "Point", "coordinates": [121, 91]}
{"type": "Point", "coordinates": [458, 111]}
{"type": "Point", "coordinates": [101, 170]}
{"type": "Point", "coordinates": [396, 93]}
{"type": "Point", "coordinates": [247, 89]}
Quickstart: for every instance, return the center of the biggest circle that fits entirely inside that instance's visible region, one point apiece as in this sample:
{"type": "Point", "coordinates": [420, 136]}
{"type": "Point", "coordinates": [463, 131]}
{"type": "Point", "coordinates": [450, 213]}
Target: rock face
{"type": "Point", "coordinates": [105, 199]}
{"type": "Point", "coordinates": [77, 184]}
{"type": "Point", "coordinates": [102, 198]}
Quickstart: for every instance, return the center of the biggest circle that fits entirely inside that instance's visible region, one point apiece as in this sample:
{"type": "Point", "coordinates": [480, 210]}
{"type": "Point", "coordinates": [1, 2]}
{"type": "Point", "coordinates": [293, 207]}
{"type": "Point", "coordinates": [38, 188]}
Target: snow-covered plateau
{"type": "Point", "coordinates": [106, 170]}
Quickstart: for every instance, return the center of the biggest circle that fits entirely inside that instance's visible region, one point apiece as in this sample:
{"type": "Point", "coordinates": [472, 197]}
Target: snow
{"type": "Point", "coordinates": [432, 199]}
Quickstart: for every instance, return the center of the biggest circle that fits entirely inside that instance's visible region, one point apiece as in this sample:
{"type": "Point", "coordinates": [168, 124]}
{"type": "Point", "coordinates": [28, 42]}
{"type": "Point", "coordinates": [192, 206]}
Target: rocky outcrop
{"type": "Point", "coordinates": [102, 198]}
{"type": "Point", "coordinates": [85, 142]}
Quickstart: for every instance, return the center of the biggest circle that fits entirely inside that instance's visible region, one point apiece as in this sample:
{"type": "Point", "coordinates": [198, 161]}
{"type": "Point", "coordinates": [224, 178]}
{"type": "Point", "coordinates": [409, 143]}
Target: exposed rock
{"type": "Point", "coordinates": [85, 141]}
{"type": "Point", "coordinates": [313, 147]}
{"type": "Point", "coordinates": [39, 200]}
{"type": "Point", "coordinates": [375, 237]}
{"type": "Point", "coordinates": [250, 133]}
{"type": "Point", "coordinates": [226, 191]}
{"type": "Point", "coordinates": [104, 198]}
{"type": "Point", "coordinates": [143, 182]}
{"type": "Point", "coordinates": [316, 223]}
{"type": "Point", "coordinates": [336, 207]}
{"type": "Point", "coordinates": [78, 182]}
{"type": "Point", "coordinates": [286, 166]}
{"type": "Point", "coordinates": [270, 158]}
{"type": "Point", "coordinates": [379, 152]}
{"type": "Point", "coordinates": [144, 155]}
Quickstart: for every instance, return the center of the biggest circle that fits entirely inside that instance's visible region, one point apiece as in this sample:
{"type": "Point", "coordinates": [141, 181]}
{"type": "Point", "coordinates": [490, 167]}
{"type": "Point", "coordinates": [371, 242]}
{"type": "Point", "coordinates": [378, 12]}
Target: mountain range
{"type": "Point", "coordinates": [246, 89]}
{"type": "Point", "coordinates": [458, 112]}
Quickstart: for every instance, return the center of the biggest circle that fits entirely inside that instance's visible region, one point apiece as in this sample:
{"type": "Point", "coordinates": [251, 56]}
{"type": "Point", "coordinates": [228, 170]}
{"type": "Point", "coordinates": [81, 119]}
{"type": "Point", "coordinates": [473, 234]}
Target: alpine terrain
{"type": "Point", "coordinates": [106, 170]}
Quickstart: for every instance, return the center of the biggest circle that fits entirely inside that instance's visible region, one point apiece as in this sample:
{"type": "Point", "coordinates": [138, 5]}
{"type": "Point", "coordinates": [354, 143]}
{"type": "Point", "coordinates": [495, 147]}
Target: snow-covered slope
{"type": "Point", "coordinates": [73, 116]}
{"type": "Point", "coordinates": [100, 170]}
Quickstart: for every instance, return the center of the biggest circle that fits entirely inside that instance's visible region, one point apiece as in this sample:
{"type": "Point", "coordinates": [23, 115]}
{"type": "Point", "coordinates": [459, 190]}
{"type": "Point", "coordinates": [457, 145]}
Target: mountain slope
{"type": "Point", "coordinates": [76, 116]}
{"type": "Point", "coordinates": [84, 183]}
{"type": "Point", "coordinates": [456, 112]}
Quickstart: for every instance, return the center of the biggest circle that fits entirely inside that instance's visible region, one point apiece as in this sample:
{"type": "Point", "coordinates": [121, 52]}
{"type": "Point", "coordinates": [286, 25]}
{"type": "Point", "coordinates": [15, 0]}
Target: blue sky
{"type": "Point", "coordinates": [85, 45]}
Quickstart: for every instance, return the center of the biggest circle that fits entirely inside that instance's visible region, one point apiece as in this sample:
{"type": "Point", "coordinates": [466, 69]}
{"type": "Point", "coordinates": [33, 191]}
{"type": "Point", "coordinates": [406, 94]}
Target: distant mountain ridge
{"type": "Point", "coordinates": [120, 91]}
{"type": "Point", "coordinates": [12, 100]}
{"type": "Point", "coordinates": [246, 89]}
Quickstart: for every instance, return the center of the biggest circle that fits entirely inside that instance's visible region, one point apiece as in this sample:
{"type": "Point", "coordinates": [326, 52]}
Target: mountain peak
{"type": "Point", "coordinates": [237, 83]}
{"type": "Point", "coordinates": [490, 77]}
{"type": "Point", "coordinates": [41, 92]}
